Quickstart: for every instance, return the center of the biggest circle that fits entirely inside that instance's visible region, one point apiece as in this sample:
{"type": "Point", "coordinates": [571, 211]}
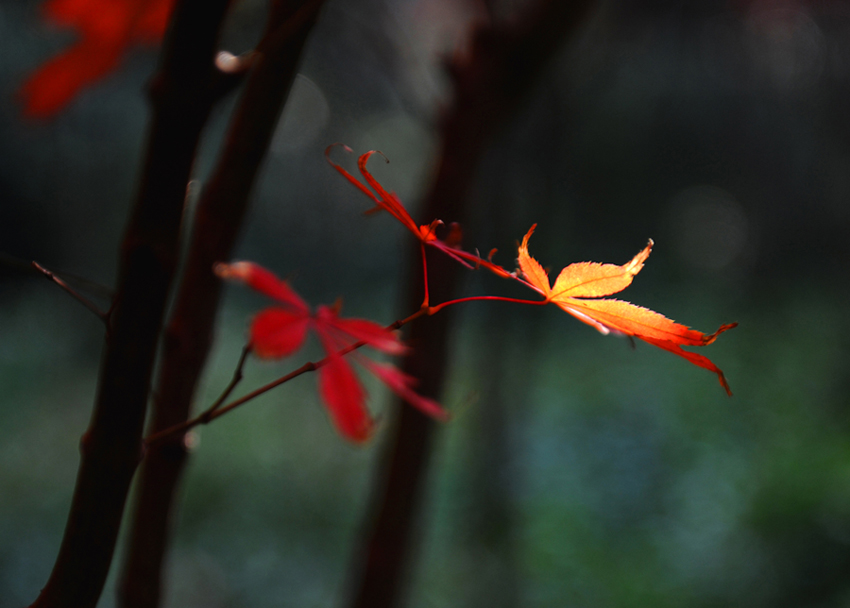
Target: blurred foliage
{"type": "Point", "coordinates": [578, 471]}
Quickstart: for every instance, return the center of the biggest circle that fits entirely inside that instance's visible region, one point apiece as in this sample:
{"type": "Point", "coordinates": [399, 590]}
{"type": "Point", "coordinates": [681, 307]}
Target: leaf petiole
{"type": "Point", "coordinates": [435, 309]}
{"type": "Point", "coordinates": [216, 410]}
{"type": "Point", "coordinates": [425, 302]}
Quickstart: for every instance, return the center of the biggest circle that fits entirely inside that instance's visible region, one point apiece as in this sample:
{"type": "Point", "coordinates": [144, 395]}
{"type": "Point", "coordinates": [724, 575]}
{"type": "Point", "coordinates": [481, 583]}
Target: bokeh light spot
{"type": "Point", "coordinates": [709, 226]}
{"type": "Point", "coordinates": [305, 116]}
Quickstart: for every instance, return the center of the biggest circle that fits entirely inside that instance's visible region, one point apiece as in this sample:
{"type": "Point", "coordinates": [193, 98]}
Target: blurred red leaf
{"type": "Point", "coordinates": [106, 29]}
{"type": "Point", "coordinates": [341, 391]}
{"type": "Point", "coordinates": [277, 332]}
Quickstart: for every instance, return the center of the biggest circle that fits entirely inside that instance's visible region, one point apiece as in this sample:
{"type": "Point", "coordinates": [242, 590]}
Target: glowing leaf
{"type": "Point", "coordinates": [583, 280]}
{"type": "Point", "coordinates": [696, 359]}
{"type": "Point", "coordinates": [531, 268]}
{"type": "Point", "coordinates": [638, 321]}
{"type": "Point", "coordinates": [592, 280]}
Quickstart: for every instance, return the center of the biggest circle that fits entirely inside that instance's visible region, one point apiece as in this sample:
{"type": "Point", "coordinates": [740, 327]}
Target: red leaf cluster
{"type": "Point", "coordinates": [279, 331]}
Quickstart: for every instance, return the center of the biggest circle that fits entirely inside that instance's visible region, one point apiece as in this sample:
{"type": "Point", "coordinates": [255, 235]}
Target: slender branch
{"type": "Point", "coordinates": [26, 266]}
{"type": "Point", "coordinates": [435, 309]}
{"type": "Point", "coordinates": [216, 411]}
{"type": "Point", "coordinates": [237, 378]}
{"type": "Point", "coordinates": [219, 216]}
{"type": "Point", "coordinates": [426, 300]}
{"type": "Point", "coordinates": [112, 447]}
{"type": "Point", "coordinates": [102, 315]}
{"type": "Point", "coordinates": [204, 417]}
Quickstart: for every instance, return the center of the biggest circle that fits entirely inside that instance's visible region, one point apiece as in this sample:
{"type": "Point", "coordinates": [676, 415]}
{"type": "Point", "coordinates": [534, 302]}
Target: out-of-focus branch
{"type": "Point", "coordinates": [219, 409]}
{"type": "Point", "coordinates": [188, 337]}
{"type": "Point", "coordinates": [489, 520]}
{"type": "Point", "coordinates": [489, 86]}
{"type": "Point", "coordinates": [24, 267]}
{"type": "Point", "coordinates": [181, 99]}
{"type": "Point", "coordinates": [51, 276]}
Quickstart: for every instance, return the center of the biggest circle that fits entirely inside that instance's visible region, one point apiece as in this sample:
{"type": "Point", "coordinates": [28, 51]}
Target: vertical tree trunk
{"type": "Point", "coordinates": [489, 87]}
{"type": "Point", "coordinates": [188, 337]}
{"type": "Point", "coordinates": [489, 527]}
{"type": "Point", "coordinates": [181, 96]}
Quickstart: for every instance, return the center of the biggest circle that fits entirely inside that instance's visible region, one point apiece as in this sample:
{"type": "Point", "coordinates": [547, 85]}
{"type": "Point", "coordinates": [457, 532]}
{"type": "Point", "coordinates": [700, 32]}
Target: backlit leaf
{"type": "Point", "coordinates": [277, 333]}
{"type": "Point", "coordinates": [578, 282]}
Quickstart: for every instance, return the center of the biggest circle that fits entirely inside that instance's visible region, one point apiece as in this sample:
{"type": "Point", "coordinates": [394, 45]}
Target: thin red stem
{"type": "Point", "coordinates": [237, 378]}
{"type": "Point", "coordinates": [435, 309]}
{"type": "Point", "coordinates": [216, 410]}
{"type": "Point", "coordinates": [424, 273]}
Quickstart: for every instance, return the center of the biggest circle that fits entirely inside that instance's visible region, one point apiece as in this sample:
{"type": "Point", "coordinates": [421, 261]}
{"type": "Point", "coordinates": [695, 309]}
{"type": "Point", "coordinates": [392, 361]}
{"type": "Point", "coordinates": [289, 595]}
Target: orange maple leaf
{"type": "Point", "coordinates": [279, 331]}
{"type": "Point", "coordinates": [580, 281]}
{"type": "Point", "coordinates": [107, 28]}
{"type": "Point", "coordinates": [573, 287]}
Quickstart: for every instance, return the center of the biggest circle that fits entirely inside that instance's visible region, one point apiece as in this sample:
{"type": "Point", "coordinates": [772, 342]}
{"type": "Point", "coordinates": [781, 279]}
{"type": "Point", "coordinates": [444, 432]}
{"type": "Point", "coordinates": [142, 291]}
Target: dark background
{"type": "Point", "coordinates": [578, 472]}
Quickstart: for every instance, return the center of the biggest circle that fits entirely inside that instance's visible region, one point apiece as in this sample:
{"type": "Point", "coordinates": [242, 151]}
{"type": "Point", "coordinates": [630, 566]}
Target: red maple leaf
{"type": "Point", "coordinates": [279, 331]}
{"type": "Point", "coordinates": [106, 28]}
{"type": "Point", "coordinates": [426, 233]}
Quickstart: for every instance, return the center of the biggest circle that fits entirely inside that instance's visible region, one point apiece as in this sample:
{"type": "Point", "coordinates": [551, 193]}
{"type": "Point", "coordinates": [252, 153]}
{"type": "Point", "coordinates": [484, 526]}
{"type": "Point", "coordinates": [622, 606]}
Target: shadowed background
{"type": "Point", "coordinates": [577, 471]}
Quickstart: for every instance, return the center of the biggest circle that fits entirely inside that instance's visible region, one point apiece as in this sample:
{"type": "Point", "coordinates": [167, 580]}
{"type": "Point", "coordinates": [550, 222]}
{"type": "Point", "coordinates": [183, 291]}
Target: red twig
{"type": "Point", "coordinates": [435, 309]}
{"type": "Point", "coordinates": [216, 410]}
{"type": "Point", "coordinates": [427, 299]}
